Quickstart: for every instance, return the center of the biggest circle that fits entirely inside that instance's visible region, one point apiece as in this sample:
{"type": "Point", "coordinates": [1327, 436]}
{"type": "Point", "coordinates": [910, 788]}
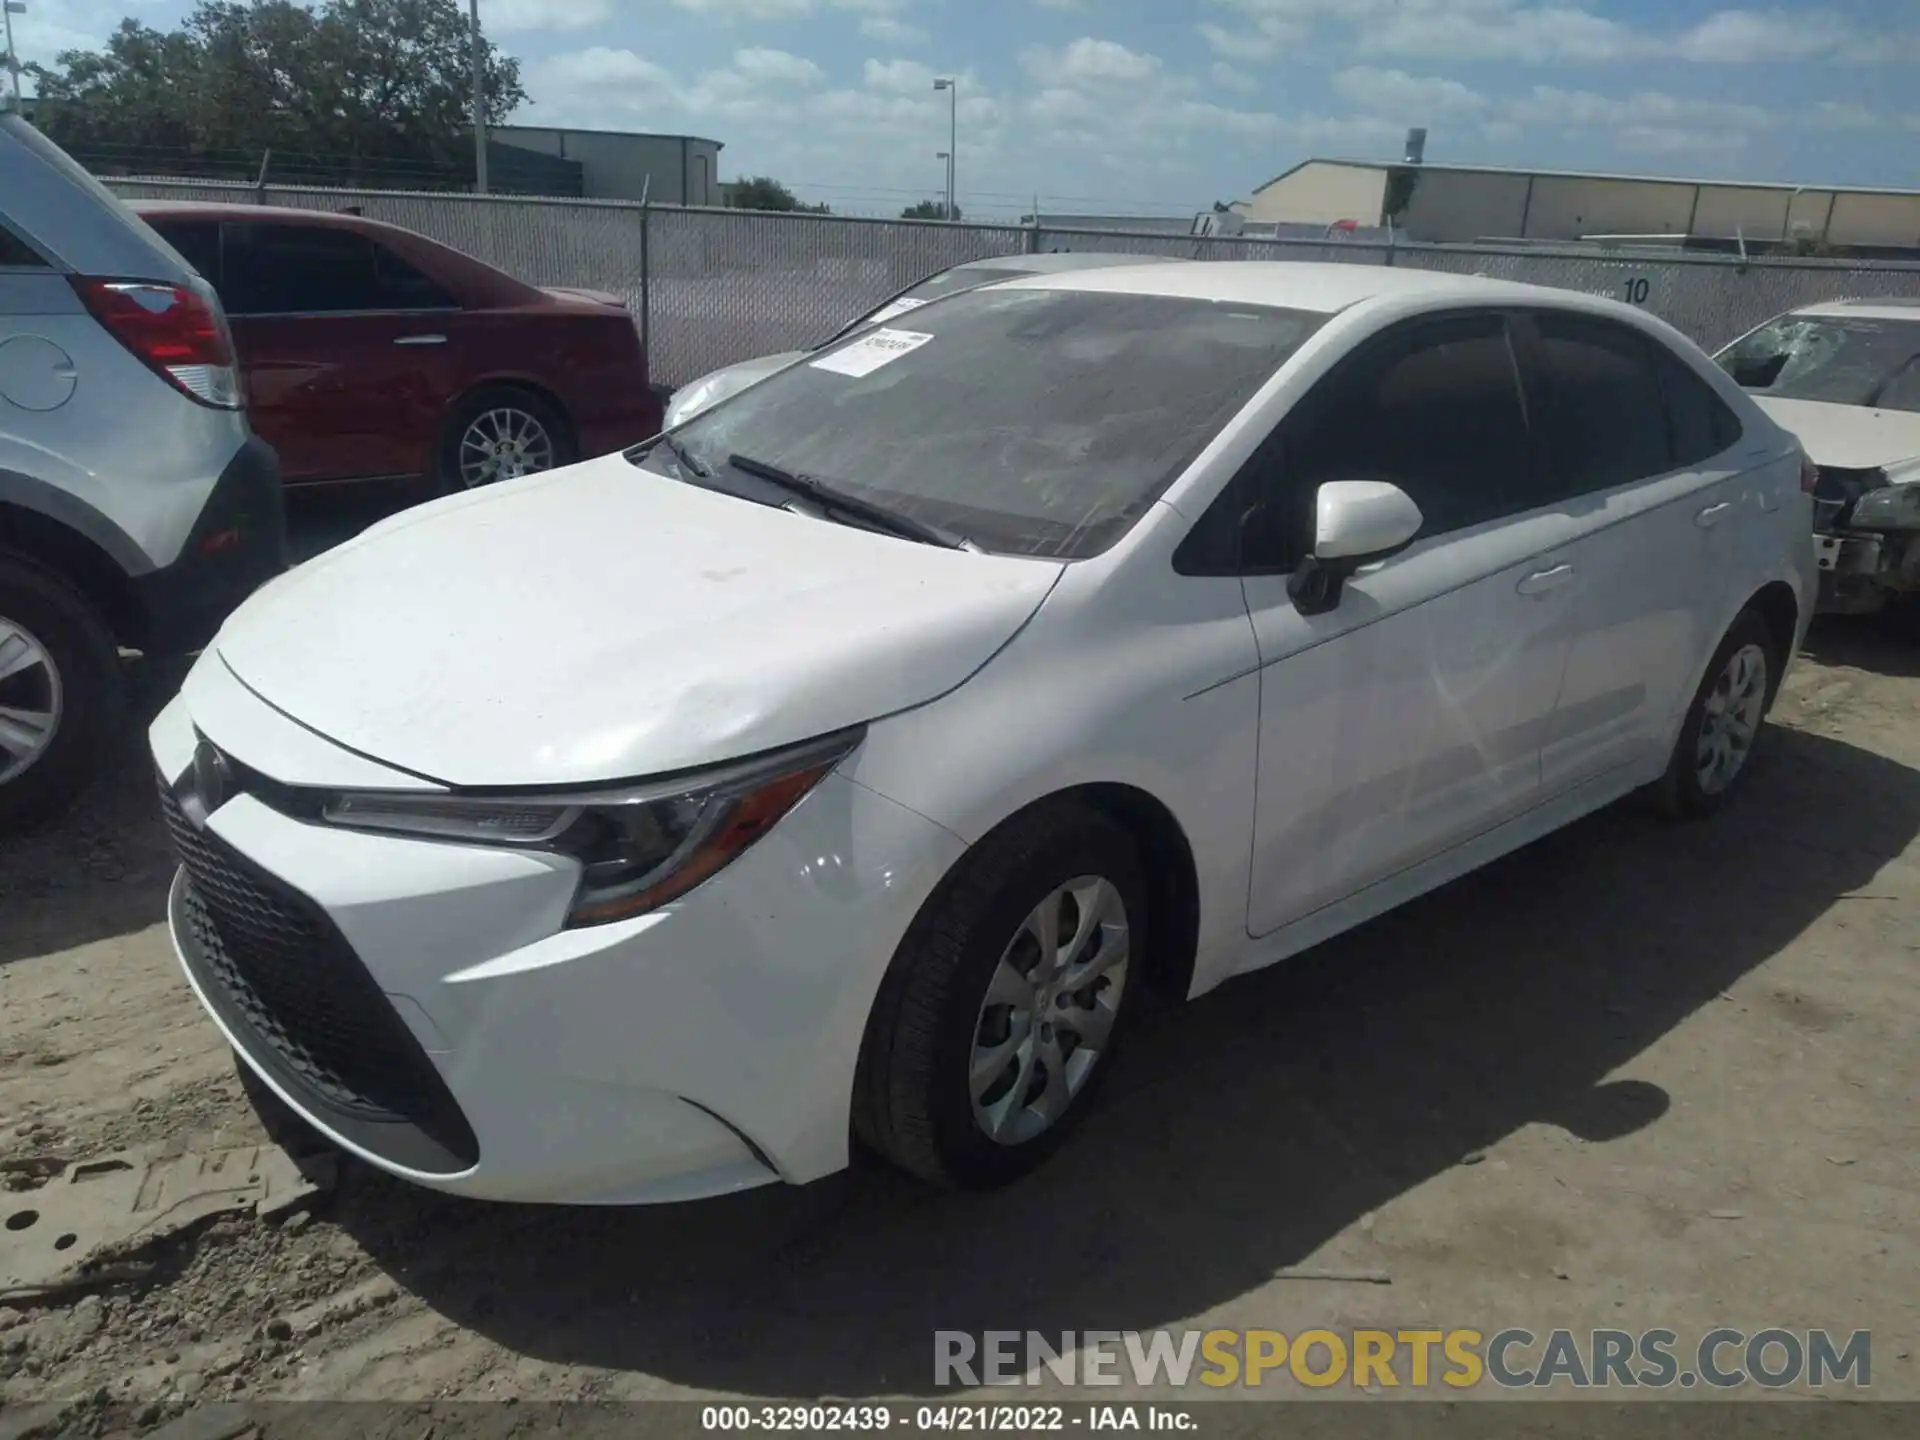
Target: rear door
{"type": "Point", "coordinates": [343, 347]}
{"type": "Point", "coordinates": [1642, 455]}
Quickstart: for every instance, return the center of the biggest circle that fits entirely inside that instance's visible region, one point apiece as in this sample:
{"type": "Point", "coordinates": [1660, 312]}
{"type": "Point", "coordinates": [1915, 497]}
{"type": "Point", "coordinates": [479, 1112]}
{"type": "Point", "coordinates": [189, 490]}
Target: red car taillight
{"type": "Point", "coordinates": [1809, 475]}
{"type": "Point", "coordinates": [176, 331]}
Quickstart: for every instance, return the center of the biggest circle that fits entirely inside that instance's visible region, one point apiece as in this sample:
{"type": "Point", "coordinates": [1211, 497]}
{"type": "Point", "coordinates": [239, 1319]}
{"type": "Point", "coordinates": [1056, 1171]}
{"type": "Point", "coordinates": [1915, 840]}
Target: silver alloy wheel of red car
{"type": "Point", "coordinates": [504, 443]}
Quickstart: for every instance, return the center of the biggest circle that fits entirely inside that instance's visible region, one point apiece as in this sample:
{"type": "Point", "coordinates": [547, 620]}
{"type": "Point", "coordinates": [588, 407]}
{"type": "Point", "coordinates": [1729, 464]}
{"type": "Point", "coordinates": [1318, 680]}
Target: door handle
{"type": "Point", "coordinates": [1712, 515]}
{"type": "Point", "coordinates": [1541, 581]}
{"type": "Point", "coordinates": [421, 340]}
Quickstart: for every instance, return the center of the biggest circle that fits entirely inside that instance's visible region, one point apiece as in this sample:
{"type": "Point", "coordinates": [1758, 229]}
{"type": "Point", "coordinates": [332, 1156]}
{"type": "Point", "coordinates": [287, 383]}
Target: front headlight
{"type": "Point", "coordinates": [638, 847]}
{"type": "Point", "coordinates": [689, 402]}
{"type": "Point", "coordinates": [1888, 507]}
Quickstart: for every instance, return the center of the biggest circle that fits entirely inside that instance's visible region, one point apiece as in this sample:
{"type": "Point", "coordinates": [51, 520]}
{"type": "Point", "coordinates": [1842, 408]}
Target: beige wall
{"type": "Point", "coordinates": [1459, 206]}
{"type": "Point", "coordinates": [1875, 220]}
{"type": "Point", "coordinates": [1319, 194]}
{"type": "Point", "coordinates": [1565, 207]}
{"type": "Point", "coordinates": [664, 168]}
{"type": "Point", "coordinates": [1752, 214]}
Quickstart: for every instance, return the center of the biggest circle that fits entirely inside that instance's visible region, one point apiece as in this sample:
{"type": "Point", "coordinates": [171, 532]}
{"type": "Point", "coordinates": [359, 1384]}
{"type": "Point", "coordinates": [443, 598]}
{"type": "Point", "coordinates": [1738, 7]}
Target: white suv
{"type": "Point", "coordinates": [857, 758]}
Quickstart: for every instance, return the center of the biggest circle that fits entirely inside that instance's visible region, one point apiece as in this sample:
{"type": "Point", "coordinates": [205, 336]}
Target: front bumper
{"type": "Point", "coordinates": [238, 543]}
{"type": "Point", "coordinates": [419, 1004]}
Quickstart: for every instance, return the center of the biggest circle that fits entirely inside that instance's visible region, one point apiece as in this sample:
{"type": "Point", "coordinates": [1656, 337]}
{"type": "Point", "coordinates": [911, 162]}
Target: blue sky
{"type": "Point", "coordinates": [1163, 106]}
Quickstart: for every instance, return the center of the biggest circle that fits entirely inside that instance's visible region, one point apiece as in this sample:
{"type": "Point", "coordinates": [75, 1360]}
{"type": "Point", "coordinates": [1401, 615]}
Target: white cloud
{"type": "Point", "coordinates": [1087, 61]}
{"type": "Point", "coordinates": [748, 9]}
{"type": "Point", "coordinates": [1549, 106]}
{"type": "Point", "coordinates": [1268, 39]}
{"type": "Point", "coordinates": [1061, 4]}
{"type": "Point", "coordinates": [1535, 35]}
{"type": "Point", "coordinates": [514, 17]}
{"type": "Point", "coordinates": [889, 31]}
{"type": "Point", "coordinates": [1229, 78]}
{"type": "Point", "coordinates": [900, 77]}
{"type": "Point", "coordinates": [1745, 37]}
{"type": "Point", "coordinates": [596, 67]}
{"type": "Point", "coordinates": [777, 67]}
{"type": "Point", "coordinates": [1396, 94]}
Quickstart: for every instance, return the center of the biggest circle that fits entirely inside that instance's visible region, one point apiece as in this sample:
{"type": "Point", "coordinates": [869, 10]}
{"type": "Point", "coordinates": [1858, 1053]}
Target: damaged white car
{"type": "Point", "coordinates": [1845, 378]}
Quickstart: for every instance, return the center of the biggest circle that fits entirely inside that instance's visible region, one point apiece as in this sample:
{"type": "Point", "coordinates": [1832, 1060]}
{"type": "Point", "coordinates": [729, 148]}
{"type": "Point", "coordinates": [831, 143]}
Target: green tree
{"type": "Point", "coordinates": [928, 210]}
{"type": "Point", "coordinates": [349, 89]}
{"type": "Point", "coordinates": [763, 192]}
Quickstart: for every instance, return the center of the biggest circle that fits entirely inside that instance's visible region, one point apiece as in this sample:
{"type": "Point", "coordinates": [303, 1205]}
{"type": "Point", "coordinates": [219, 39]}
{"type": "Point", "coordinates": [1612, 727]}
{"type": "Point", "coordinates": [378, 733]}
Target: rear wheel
{"type": "Point", "coordinates": [501, 433]}
{"type": "Point", "coordinates": [999, 1016]}
{"type": "Point", "coordinates": [1723, 724]}
{"type": "Point", "coordinates": [61, 691]}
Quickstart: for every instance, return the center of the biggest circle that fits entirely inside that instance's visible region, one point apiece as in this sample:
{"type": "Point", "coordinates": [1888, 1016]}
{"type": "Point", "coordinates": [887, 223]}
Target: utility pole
{"type": "Point", "coordinates": [13, 8]}
{"type": "Point", "coordinates": [952, 87]}
{"type": "Point", "coordinates": [479, 105]}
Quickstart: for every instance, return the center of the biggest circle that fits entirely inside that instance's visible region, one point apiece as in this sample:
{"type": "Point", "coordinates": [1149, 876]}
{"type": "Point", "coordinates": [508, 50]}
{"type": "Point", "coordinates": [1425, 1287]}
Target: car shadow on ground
{"type": "Point", "coordinates": [1238, 1136]}
{"type": "Point", "coordinates": [102, 868]}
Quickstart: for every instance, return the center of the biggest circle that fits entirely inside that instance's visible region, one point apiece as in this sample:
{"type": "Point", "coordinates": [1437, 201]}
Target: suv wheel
{"type": "Point", "coordinates": [61, 691]}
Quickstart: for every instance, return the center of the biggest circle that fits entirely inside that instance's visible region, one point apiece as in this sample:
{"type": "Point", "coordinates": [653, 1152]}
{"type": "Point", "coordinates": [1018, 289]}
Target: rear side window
{"type": "Point", "coordinates": [405, 287]}
{"type": "Point", "coordinates": [1438, 412]}
{"type": "Point", "coordinates": [14, 252]}
{"type": "Point", "coordinates": [1700, 424]}
{"type": "Point", "coordinates": [199, 245]}
{"type": "Point", "coordinates": [297, 270]}
{"type": "Point", "coordinates": [1603, 418]}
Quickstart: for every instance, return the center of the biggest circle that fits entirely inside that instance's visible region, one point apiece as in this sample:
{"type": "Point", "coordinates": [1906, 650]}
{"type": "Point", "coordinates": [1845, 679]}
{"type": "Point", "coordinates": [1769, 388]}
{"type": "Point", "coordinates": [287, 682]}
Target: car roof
{"type": "Point", "coordinates": [1324, 288]}
{"type": "Point", "coordinates": [1891, 308]}
{"type": "Point", "coordinates": [1062, 261]}
{"type": "Point", "coordinates": [226, 210]}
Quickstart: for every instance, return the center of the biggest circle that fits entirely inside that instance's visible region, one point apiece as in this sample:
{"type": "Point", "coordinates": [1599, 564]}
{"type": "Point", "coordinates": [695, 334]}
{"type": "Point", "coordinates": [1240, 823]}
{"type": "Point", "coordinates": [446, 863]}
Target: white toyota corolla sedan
{"type": "Point", "coordinates": [852, 763]}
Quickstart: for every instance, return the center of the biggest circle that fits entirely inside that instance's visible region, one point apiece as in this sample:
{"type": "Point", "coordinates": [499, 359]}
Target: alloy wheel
{"type": "Point", "coordinates": [1049, 1010]}
{"type": "Point", "coordinates": [31, 700]}
{"type": "Point", "coordinates": [503, 444]}
{"type": "Point", "coordinates": [1735, 707]}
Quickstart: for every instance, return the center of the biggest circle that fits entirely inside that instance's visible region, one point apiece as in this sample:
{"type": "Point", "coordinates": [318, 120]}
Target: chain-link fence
{"type": "Point", "coordinates": [716, 286]}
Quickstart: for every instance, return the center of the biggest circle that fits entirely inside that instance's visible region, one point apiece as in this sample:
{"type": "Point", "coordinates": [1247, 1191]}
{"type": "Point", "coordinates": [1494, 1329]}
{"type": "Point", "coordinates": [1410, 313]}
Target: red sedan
{"type": "Point", "coordinates": [373, 353]}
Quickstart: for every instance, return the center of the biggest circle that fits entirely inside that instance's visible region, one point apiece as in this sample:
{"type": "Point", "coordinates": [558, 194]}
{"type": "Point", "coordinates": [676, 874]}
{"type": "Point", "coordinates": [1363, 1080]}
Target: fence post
{"type": "Point", "coordinates": [1033, 233]}
{"type": "Point", "coordinates": [260, 185]}
{"type": "Point", "coordinates": [646, 287]}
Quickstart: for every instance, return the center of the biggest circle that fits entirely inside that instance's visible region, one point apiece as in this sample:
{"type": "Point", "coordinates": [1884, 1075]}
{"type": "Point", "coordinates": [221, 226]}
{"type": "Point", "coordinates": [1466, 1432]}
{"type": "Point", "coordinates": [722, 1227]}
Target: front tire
{"type": "Point", "coordinates": [61, 692]}
{"type": "Point", "coordinates": [1723, 724]}
{"type": "Point", "coordinates": [999, 1016]}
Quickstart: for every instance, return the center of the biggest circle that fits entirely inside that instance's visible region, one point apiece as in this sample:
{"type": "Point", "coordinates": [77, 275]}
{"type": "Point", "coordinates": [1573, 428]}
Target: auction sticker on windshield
{"type": "Point", "coordinates": [869, 353]}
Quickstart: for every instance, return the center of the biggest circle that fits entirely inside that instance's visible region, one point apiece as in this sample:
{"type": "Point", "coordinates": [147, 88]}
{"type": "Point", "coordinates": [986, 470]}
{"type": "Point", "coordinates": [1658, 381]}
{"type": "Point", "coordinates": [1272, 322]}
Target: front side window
{"type": "Point", "coordinates": [1435, 410]}
{"type": "Point", "coordinates": [1838, 359]}
{"type": "Point", "coordinates": [1040, 422]}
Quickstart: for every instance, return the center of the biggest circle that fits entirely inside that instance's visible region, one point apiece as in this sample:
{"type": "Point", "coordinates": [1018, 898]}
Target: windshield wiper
{"type": "Point", "coordinates": [830, 499]}
{"type": "Point", "coordinates": [685, 457]}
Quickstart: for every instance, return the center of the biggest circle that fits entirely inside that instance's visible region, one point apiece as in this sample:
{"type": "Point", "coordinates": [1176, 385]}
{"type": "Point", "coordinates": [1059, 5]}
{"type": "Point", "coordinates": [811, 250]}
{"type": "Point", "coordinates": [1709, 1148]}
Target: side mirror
{"type": "Point", "coordinates": [1356, 522]}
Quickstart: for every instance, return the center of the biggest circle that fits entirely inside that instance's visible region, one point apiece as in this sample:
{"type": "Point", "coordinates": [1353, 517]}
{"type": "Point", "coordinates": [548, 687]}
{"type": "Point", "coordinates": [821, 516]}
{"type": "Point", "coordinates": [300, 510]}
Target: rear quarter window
{"type": "Point", "coordinates": [16, 254]}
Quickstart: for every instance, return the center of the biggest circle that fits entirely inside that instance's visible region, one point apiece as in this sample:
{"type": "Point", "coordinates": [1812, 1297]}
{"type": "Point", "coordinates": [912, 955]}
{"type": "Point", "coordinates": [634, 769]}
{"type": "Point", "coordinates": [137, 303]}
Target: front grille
{"type": "Point", "coordinates": [282, 976]}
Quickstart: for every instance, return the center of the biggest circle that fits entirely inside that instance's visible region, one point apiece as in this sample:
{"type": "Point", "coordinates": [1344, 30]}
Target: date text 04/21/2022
{"type": "Point", "coordinates": [1001, 1419]}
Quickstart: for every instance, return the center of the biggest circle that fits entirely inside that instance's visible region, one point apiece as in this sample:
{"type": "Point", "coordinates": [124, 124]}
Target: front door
{"type": "Point", "coordinates": [1409, 718]}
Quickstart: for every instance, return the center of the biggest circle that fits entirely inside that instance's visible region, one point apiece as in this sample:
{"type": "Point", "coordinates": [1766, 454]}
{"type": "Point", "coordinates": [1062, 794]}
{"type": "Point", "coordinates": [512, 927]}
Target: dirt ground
{"type": "Point", "coordinates": [1635, 1076]}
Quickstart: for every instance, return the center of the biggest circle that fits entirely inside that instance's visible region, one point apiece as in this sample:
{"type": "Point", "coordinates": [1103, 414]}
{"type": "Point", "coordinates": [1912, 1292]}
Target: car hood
{"type": "Point", "coordinates": [710, 389]}
{"type": "Point", "coordinates": [603, 622]}
{"type": "Point", "coordinates": [1850, 437]}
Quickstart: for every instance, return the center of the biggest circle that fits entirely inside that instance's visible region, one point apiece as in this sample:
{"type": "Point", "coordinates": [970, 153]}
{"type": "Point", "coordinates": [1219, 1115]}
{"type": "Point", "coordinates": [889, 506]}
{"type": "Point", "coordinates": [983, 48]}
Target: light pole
{"type": "Point", "coordinates": [479, 105]}
{"type": "Point", "coordinates": [13, 8]}
{"type": "Point", "coordinates": [952, 87]}
{"type": "Point", "coordinates": [946, 159]}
